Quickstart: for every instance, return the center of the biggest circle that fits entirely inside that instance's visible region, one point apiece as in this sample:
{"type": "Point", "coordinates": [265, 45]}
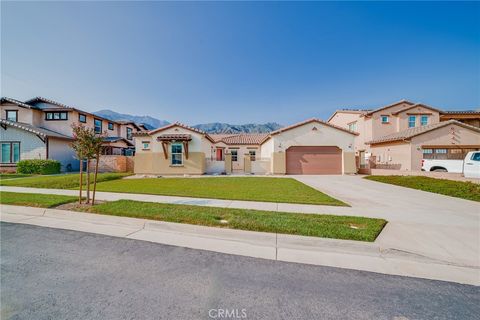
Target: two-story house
{"type": "Point", "coordinates": [40, 128]}
{"type": "Point", "coordinates": [400, 135]}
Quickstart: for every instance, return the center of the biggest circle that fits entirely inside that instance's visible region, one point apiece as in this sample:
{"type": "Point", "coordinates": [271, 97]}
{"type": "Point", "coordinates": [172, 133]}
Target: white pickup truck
{"type": "Point", "coordinates": [470, 166]}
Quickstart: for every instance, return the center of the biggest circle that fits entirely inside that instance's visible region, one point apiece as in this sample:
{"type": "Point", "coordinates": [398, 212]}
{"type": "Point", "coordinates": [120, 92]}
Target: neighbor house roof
{"type": "Point", "coordinates": [299, 124]}
{"type": "Point", "coordinates": [413, 132]}
{"type": "Point", "coordinates": [351, 111]}
{"type": "Point", "coordinates": [389, 106]}
{"type": "Point", "coordinates": [415, 106]}
{"type": "Point", "coordinates": [240, 138]}
{"type": "Point", "coordinates": [116, 139]}
{"type": "Point", "coordinates": [36, 130]}
{"type": "Point", "coordinates": [453, 112]}
{"type": "Point", "coordinates": [18, 103]}
{"type": "Point", "coordinates": [177, 124]}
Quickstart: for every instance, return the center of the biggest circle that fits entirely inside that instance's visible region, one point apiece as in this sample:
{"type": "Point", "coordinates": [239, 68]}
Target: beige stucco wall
{"type": "Point", "coordinates": [155, 163]}
{"type": "Point", "coordinates": [247, 165]}
{"type": "Point", "coordinates": [402, 117]}
{"type": "Point", "coordinates": [344, 118]}
{"type": "Point", "coordinates": [380, 129]}
{"type": "Point", "coordinates": [306, 136]}
{"type": "Point", "coordinates": [452, 135]}
{"type": "Point", "coordinates": [349, 165]}
{"type": "Point", "coordinates": [396, 155]}
{"type": "Point", "coordinates": [279, 163]}
{"type": "Point", "coordinates": [24, 115]}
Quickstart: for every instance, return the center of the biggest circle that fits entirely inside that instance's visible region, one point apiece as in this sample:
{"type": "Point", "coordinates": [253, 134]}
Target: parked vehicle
{"type": "Point", "coordinates": [469, 166]}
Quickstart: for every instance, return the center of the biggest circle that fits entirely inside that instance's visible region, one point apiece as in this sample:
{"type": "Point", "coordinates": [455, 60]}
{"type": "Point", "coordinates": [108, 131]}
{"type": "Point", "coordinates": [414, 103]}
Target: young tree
{"type": "Point", "coordinates": [78, 145]}
{"type": "Point", "coordinates": [88, 146]}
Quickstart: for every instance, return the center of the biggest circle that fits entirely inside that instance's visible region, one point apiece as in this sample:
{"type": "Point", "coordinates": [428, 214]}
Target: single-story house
{"type": "Point", "coordinates": [405, 150]}
{"type": "Point", "coordinates": [309, 147]}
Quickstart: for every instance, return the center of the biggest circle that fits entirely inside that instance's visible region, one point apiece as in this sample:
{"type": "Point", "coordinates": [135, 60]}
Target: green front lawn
{"type": "Point", "coordinates": [34, 200]}
{"type": "Point", "coordinates": [63, 181]}
{"type": "Point", "coordinates": [458, 189]}
{"type": "Point", "coordinates": [267, 189]}
{"type": "Point", "coordinates": [326, 226]}
{"type": "Point", "coordinates": [4, 176]}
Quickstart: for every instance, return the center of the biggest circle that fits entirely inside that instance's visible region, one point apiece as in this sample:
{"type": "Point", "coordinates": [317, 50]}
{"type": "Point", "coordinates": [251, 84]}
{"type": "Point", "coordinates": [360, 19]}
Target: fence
{"type": "Point", "coordinates": [113, 163]}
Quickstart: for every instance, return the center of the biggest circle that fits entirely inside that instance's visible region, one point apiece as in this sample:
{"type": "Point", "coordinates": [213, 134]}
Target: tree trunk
{"type": "Point", "coordinates": [95, 178]}
{"type": "Point", "coordinates": [81, 181]}
{"type": "Point", "coordinates": [88, 180]}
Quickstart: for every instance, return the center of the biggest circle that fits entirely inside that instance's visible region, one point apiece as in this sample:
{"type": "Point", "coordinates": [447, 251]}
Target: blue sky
{"type": "Point", "coordinates": [241, 62]}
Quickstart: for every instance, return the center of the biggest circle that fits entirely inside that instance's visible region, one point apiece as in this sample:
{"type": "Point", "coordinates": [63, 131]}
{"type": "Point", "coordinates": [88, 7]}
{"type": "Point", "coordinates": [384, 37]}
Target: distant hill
{"type": "Point", "coordinates": [216, 127]}
{"type": "Point", "coordinates": [149, 122]}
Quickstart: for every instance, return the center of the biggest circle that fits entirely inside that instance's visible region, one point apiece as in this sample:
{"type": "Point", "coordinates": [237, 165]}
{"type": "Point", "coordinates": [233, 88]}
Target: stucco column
{"type": "Point", "coordinates": [279, 163]}
{"type": "Point", "coordinates": [247, 163]}
{"type": "Point", "coordinates": [228, 163]}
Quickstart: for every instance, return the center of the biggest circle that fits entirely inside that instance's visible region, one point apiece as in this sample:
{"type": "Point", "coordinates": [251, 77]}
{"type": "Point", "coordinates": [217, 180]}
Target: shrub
{"type": "Point", "coordinates": [38, 166]}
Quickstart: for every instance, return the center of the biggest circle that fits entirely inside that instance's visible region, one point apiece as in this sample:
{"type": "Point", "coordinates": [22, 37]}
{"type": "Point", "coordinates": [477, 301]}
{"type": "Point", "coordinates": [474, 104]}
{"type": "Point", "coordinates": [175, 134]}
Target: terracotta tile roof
{"type": "Point", "coordinates": [461, 112]}
{"type": "Point", "coordinates": [174, 136]}
{"type": "Point", "coordinates": [45, 100]}
{"type": "Point", "coordinates": [390, 105]}
{"type": "Point", "coordinates": [414, 106]}
{"type": "Point", "coordinates": [308, 121]}
{"type": "Point", "coordinates": [240, 138]}
{"type": "Point", "coordinates": [354, 111]}
{"type": "Point", "coordinates": [181, 125]}
{"type": "Point", "coordinates": [116, 139]}
{"type": "Point", "coordinates": [412, 132]}
{"type": "Point", "coordinates": [36, 130]}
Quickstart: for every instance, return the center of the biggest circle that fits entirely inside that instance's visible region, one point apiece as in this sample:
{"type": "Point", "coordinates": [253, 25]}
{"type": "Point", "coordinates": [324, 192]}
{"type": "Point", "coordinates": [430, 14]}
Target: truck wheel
{"type": "Point", "coordinates": [439, 170]}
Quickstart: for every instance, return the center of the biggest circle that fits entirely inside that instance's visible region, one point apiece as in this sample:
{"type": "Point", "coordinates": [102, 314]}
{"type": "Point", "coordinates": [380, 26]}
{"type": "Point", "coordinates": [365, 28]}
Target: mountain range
{"type": "Point", "coordinates": [216, 127]}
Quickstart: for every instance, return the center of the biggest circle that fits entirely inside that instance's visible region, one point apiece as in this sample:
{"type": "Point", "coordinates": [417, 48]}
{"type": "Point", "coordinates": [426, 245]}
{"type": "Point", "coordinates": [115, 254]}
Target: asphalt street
{"type": "Point", "coordinates": [59, 274]}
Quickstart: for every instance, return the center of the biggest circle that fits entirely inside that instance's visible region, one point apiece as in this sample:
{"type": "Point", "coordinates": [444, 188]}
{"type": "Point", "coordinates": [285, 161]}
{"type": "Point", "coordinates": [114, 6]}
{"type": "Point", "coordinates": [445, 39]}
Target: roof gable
{"type": "Point", "coordinates": [413, 132]}
{"type": "Point", "coordinates": [415, 106]}
{"type": "Point", "coordinates": [299, 124]}
{"type": "Point", "coordinates": [388, 107]}
{"type": "Point", "coordinates": [181, 125]}
{"type": "Point", "coordinates": [17, 102]}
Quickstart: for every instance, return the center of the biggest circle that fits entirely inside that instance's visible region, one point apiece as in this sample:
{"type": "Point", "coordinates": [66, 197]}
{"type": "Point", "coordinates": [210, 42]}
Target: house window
{"type": "Point", "coordinates": [12, 115]}
{"type": "Point", "coordinates": [234, 154]}
{"type": "Point", "coordinates": [82, 118]}
{"type": "Point", "coordinates": [427, 151]}
{"type": "Point", "coordinates": [98, 125]}
{"type": "Point", "coordinates": [129, 133]}
{"type": "Point", "coordinates": [10, 152]}
{"type": "Point", "coordinates": [353, 126]}
{"type": "Point", "coordinates": [110, 126]}
{"type": "Point", "coordinates": [177, 154]}
{"type": "Point", "coordinates": [385, 119]}
{"type": "Point", "coordinates": [424, 120]}
{"type": "Point", "coordinates": [56, 115]}
{"type": "Point", "coordinates": [146, 145]}
{"type": "Point", "coordinates": [411, 121]}
{"type": "Point", "coordinates": [252, 154]}
{"type": "Point", "coordinates": [441, 151]}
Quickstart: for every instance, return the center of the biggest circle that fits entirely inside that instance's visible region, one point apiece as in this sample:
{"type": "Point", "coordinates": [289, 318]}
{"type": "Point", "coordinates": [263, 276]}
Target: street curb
{"type": "Point", "coordinates": [299, 249]}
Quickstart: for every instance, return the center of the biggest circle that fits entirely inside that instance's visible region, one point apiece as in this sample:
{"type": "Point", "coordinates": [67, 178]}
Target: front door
{"type": "Point", "coordinates": [219, 155]}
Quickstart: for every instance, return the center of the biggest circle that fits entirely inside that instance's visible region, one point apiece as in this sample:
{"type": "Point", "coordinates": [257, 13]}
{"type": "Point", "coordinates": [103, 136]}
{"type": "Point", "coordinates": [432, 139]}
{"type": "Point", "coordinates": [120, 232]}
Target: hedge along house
{"type": "Point", "coordinates": [309, 147]}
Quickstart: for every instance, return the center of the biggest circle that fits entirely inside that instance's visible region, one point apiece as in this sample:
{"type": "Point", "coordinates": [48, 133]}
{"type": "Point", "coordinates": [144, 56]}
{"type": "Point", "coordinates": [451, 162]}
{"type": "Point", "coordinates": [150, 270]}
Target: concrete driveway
{"type": "Point", "coordinates": [424, 223]}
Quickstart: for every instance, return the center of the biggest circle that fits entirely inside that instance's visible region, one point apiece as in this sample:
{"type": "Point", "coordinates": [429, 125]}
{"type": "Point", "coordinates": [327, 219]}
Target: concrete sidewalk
{"type": "Point", "coordinates": [310, 250]}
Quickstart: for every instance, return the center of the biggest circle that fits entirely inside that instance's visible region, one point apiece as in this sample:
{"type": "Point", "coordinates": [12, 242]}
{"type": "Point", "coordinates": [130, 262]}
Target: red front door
{"type": "Point", "coordinates": [219, 155]}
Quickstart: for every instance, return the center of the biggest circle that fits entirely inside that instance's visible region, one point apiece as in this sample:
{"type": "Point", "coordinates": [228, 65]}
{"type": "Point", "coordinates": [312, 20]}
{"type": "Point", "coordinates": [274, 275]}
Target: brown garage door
{"type": "Point", "coordinates": [314, 160]}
